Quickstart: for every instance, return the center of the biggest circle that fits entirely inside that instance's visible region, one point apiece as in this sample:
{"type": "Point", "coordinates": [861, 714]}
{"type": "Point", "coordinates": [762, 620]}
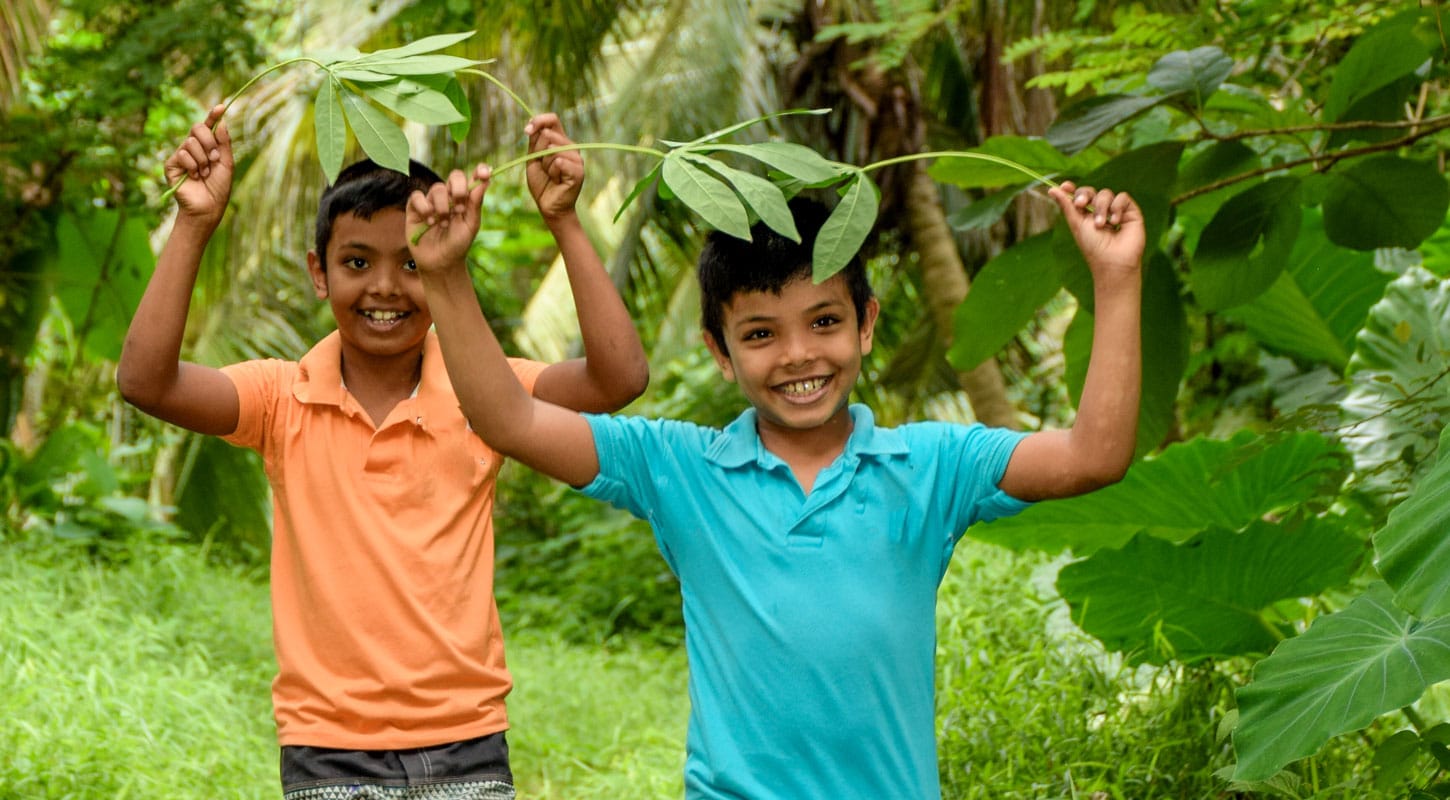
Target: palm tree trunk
{"type": "Point", "coordinates": [945, 284]}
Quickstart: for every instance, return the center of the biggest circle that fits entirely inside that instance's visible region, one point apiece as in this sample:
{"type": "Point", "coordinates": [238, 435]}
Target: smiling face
{"type": "Point", "coordinates": [372, 286]}
{"type": "Point", "coordinates": [796, 355]}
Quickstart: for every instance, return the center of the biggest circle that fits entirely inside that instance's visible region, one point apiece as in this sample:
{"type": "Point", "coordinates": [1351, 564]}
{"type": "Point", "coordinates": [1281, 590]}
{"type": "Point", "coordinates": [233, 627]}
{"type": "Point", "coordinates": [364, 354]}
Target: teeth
{"type": "Point", "coordinates": [383, 316]}
{"type": "Point", "coordinates": [803, 387]}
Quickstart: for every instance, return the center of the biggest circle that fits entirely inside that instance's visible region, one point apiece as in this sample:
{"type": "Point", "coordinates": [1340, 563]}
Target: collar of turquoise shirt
{"type": "Point", "coordinates": [739, 444]}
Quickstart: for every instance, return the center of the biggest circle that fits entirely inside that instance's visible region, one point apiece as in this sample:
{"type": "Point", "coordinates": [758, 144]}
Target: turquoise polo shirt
{"type": "Point", "coordinates": [810, 620]}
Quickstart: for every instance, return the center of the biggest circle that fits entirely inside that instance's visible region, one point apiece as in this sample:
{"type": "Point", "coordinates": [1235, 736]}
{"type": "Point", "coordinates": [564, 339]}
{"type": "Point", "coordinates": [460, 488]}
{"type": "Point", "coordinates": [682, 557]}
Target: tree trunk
{"type": "Point", "coordinates": [945, 284]}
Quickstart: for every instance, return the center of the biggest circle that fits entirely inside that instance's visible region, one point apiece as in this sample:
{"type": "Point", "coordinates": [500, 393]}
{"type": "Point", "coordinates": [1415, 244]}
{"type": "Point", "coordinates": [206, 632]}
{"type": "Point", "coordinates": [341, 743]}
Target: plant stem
{"type": "Point", "coordinates": [171, 190]}
{"type": "Point", "coordinates": [1036, 176]}
{"type": "Point", "coordinates": [418, 232]}
{"type": "Point", "coordinates": [499, 84]}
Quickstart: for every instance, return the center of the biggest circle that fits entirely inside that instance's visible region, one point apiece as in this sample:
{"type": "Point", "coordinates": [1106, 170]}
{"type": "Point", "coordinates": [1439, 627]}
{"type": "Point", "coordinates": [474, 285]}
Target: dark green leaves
{"type": "Point", "coordinates": [1246, 244]}
{"type": "Point", "coordinates": [1197, 72]}
{"type": "Point", "coordinates": [1386, 201]}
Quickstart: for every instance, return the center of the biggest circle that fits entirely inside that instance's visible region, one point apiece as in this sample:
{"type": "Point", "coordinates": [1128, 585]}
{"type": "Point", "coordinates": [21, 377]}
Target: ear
{"type": "Point", "coordinates": [868, 324]}
{"type": "Point", "coordinates": [722, 358]}
{"type": "Point", "coordinates": [317, 274]}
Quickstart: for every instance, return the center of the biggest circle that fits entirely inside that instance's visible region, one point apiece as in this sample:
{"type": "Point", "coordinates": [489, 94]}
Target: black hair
{"type": "Point", "coordinates": [364, 189]}
{"type": "Point", "coordinates": [767, 263]}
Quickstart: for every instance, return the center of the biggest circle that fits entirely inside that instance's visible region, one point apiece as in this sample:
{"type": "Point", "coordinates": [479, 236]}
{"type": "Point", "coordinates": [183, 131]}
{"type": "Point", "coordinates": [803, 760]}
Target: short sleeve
{"type": "Point", "coordinates": [527, 371]}
{"type": "Point", "coordinates": [643, 461]}
{"type": "Point", "coordinates": [258, 384]}
{"type": "Point", "coordinates": [971, 460]}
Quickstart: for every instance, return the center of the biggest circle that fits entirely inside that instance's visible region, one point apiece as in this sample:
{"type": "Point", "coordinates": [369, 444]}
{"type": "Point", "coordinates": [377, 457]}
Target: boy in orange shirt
{"type": "Point", "coordinates": [391, 670]}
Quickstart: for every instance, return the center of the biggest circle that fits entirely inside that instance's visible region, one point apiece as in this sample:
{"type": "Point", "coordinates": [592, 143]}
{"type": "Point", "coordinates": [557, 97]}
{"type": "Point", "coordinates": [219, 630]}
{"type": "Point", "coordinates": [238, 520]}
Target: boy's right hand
{"type": "Point", "coordinates": [554, 180]}
{"type": "Point", "coordinates": [204, 160]}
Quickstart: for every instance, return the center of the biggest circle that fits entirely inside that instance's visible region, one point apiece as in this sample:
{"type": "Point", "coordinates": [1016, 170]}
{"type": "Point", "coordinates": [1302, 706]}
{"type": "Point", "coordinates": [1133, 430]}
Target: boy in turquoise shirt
{"type": "Point", "coordinates": [809, 543]}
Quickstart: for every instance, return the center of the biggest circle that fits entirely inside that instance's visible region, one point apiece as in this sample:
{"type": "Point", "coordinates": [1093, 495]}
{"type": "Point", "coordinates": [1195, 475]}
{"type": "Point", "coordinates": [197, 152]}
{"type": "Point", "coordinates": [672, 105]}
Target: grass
{"type": "Point", "coordinates": [148, 676]}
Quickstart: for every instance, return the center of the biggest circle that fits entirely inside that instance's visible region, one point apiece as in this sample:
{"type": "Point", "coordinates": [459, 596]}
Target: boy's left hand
{"type": "Point", "coordinates": [1107, 225]}
{"type": "Point", "coordinates": [450, 210]}
{"type": "Point", "coordinates": [554, 180]}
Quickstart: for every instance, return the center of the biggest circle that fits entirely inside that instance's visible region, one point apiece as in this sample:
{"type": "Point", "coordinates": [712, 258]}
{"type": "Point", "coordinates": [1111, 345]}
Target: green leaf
{"type": "Point", "coordinates": [1400, 397]}
{"type": "Point", "coordinates": [1379, 57]}
{"type": "Point", "coordinates": [359, 75]}
{"type": "Point", "coordinates": [1004, 297]}
{"type": "Point", "coordinates": [1204, 598]}
{"type": "Point", "coordinates": [414, 65]}
{"type": "Point", "coordinates": [330, 127]}
{"type": "Point", "coordinates": [707, 196]}
{"type": "Point", "coordinates": [1412, 551]}
{"type": "Point", "coordinates": [797, 161]}
{"type": "Point", "coordinates": [414, 101]}
{"type": "Point", "coordinates": [1189, 488]}
{"type": "Point", "coordinates": [1385, 201]}
{"type": "Point", "coordinates": [1245, 246]}
{"type": "Point", "coordinates": [975, 173]}
{"type": "Point", "coordinates": [427, 44]}
{"type": "Point", "coordinates": [846, 229]}
{"type": "Point", "coordinates": [726, 131]}
{"type": "Point", "coordinates": [639, 188]}
{"type": "Point", "coordinates": [1165, 352]}
{"type": "Point", "coordinates": [1393, 759]}
{"type": "Point", "coordinates": [1196, 72]}
{"type": "Point", "coordinates": [760, 195]}
{"type": "Point", "coordinates": [1317, 306]}
{"type": "Point", "coordinates": [453, 90]}
{"type": "Point", "coordinates": [1347, 669]}
{"type": "Point", "coordinates": [1081, 124]}
{"type": "Point", "coordinates": [1435, 251]}
{"type": "Point", "coordinates": [101, 274]}
{"type": "Point", "coordinates": [379, 136]}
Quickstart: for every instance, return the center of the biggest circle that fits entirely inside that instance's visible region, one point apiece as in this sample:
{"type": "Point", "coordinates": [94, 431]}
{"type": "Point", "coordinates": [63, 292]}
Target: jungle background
{"type": "Point", "coordinates": [1258, 610]}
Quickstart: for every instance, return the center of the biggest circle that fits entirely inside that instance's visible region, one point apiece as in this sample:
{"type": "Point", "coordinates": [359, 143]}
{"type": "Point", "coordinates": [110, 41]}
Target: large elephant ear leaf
{"type": "Point", "coordinates": [1347, 669]}
{"type": "Point", "coordinates": [1412, 550]}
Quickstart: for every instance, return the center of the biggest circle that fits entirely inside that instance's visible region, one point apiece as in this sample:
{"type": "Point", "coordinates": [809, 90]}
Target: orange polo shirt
{"type": "Point", "coordinates": [383, 615]}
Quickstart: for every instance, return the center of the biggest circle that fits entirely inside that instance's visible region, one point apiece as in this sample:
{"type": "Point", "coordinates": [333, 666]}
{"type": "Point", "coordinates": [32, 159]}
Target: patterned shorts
{"type": "Point", "coordinates": [476, 769]}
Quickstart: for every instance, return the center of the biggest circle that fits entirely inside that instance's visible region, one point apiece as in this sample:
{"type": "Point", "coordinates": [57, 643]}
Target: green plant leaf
{"type": "Point", "coordinates": [983, 212]}
{"type": "Point", "coordinates": [1165, 351]}
{"type": "Point", "coordinates": [797, 161]}
{"type": "Point", "coordinates": [330, 128]}
{"type": "Point", "coordinates": [1379, 57]}
{"type": "Point", "coordinates": [1347, 669]}
{"type": "Point", "coordinates": [1385, 201]}
{"type": "Point", "coordinates": [971, 173]}
{"type": "Point", "coordinates": [360, 75]}
{"type": "Point", "coordinates": [415, 65]}
{"type": "Point", "coordinates": [1400, 396]}
{"type": "Point", "coordinates": [427, 44]}
{"type": "Point", "coordinates": [453, 90]}
{"type": "Point", "coordinates": [1196, 73]}
{"type": "Point", "coordinates": [1204, 598]}
{"type": "Point", "coordinates": [843, 233]}
{"type": "Point", "coordinates": [1190, 487]}
{"type": "Point", "coordinates": [1081, 124]}
{"type": "Point", "coordinates": [1393, 759]}
{"type": "Point", "coordinates": [726, 131]}
{"type": "Point", "coordinates": [1412, 551]}
{"type": "Point", "coordinates": [1004, 297]}
{"type": "Point", "coordinates": [760, 195]}
{"type": "Point", "coordinates": [1435, 251]}
{"type": "Point", "coordinates": [639, 188]}
{"type": "Point", "coordinates": [413, 101]}
{"type": "Point", "coordinates": [707, 196]}
{"type": "Point", "coordinates": [1245, 246]}
{"type": "Point", "coordinates": [379, 136]}
{"type": "Point", "coordinates": [1317, 306]}
{"type": "Point", "coordinates": [101, 273]}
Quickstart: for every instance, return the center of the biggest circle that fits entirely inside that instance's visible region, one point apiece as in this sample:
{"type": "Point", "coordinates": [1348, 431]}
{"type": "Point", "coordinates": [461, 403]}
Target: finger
{"type": "Point", "coordinates": [1101, 204]}
{"type": "Point", "coordinates": [541, 122]}
{"type": "Point", "coordinates": [214, 116]}
{"type": "Point", "coordinates": [1122, 208]}
{"type": "Point", "coordinates": [224, 145]}
{"type": "Point", "coordinates": [457, 191]}
{"type": "Point", "coordinates": [1063, 195]}
{"type": "Point", "coordinates": [419, 209]}
{"type": "Point", "coordinates": [196, 159]}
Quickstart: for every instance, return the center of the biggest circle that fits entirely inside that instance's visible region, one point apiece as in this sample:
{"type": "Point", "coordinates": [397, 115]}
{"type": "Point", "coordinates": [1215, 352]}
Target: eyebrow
{"type": "Point", "coordinates": [815, 309]}
{"type": "Point", "coordinates": [364, 247]}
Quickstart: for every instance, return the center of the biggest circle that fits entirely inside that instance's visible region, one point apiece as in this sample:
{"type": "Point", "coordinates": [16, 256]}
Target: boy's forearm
{"type": "Point", "coordinates": [1104, 434]}
{"type": "Point", "coordinates": [614, 357]}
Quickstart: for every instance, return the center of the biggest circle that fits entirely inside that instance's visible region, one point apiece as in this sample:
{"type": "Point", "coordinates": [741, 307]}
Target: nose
{"type": "Point", "coordinates": [385, 282]}
{"type": "Point", "coordinates": [797, 349]}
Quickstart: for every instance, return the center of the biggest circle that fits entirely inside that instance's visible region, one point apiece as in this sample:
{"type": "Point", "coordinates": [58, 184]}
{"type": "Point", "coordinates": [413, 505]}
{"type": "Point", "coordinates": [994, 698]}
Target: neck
{"type": "Point", "coordinates": [807, 451]}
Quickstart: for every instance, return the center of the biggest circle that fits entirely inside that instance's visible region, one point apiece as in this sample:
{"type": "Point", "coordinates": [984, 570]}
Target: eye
{"type": "Point", "coordinates": [755, 335]}
{"type": "Point", "coordinates": [826, 321]}
{"type": "Point", "coordinates": [355, 262]}
{"type": "Point", "coordinates": [409, 266]}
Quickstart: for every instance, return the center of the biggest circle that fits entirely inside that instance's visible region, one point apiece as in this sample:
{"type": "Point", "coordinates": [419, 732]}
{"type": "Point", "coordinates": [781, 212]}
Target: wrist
{"type": "Point", "coordinates": [561, 220]}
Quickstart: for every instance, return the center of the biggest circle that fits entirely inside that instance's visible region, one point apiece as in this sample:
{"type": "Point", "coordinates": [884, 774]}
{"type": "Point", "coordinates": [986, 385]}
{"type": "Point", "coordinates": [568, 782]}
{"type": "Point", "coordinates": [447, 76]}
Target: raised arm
{"type": "Point", "coordinates": [151, 374]}
{"type": "Point", "coordinates": [1098, 448]}
{"type": "Point", "coordinates": [614, 369]}
{"type": "Point", "coordinates": [549, 438]}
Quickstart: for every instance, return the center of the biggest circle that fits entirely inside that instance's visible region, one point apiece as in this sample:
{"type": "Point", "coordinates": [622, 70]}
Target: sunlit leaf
{"type": "Point", "coordinates": [1347, 669]}
{"type": "Point", "coordinates": [707, 196]}
{"type": "Point", "coordinates": [361, 75]}
{"type": "Point", "coordinates": [380, 137]}
{"type": "Point", "coordinates": [427, 44]}
{"type": "Point", "coordinates": [414, 101]}
{"type": "Point", "coordinates": [417, 65]}
{"type": "Point", "coordinates": [453, 90]}
{"type": "Point", "coordinates": [846, 229]}
{"type": "Point", "coordinates": [760, 195]}
{"type": "Point", "coordinates": [795, 160]}
{"type": "Point", "coordinates": [331, 129]}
